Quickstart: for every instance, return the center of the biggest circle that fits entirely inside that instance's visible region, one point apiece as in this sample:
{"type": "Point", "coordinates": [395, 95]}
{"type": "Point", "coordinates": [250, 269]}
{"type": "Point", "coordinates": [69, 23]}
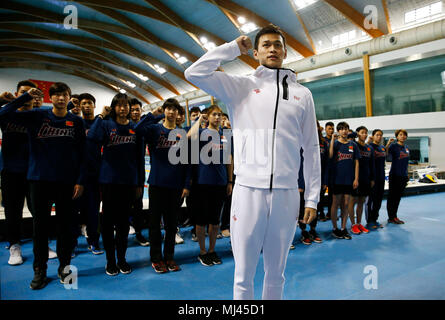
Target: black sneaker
{"type": "Point", "coordinates": [338, 234]}
{"type": "Point", "coordinates": [111, 269]}
{"type": "Point", "coordinates": [214, 258]}
{"type": "Point", "coordinates": [141, 240]}
{"type": "Point", "coordinates": [205, 260]}
{"type": "Point", "coordinates": [346, 235]}
{"type": "Point", "coordinates": [40, 280]}
{"type": "Point", "coordinates": [124, 267]}
{"type": "Point", "coordinates": [62, 275]}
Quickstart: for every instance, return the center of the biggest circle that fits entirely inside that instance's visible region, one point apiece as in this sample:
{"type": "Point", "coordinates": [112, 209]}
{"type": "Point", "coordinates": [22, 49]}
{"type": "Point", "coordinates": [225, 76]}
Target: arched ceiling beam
{"type": "Point", "coordinates": [98, 54]}
{"type": "Point", "coordinates": [89, 59]}
{"type": "Point", "coordinates": [194, 31]}
{"type": "Point", "coordinates": [354, 16]}
{"type": "Point", "coordinates": [238, 10]}
{"type": "Point", "coordinates": [306, 31]}
{"type": "Point", "coordinates": [56, 68]}
{"type": "Point", "coordinates": [388, 20]}
{"type": "Point", "coordinates": [167, 47]}
{"type": "Point", "coordinates": [66, 62]}
{"type": "Point", "coordinates": [34, 14]}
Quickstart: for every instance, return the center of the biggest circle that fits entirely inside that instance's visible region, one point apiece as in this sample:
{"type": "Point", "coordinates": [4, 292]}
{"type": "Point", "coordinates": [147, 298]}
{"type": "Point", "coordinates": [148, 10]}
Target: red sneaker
{"type": "Point", "coordinates": [363, 229]}
{"type": "Point", "coordinates": [355, 229]}
{"type": "Point", "coordinates": [398, 221]}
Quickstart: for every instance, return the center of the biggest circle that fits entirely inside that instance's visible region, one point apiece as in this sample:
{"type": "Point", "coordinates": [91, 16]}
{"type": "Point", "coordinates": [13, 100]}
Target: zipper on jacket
{"type": "Point", "coordinates": [275, 125]}
{"type": "Point", "coordinates": [285, 88]}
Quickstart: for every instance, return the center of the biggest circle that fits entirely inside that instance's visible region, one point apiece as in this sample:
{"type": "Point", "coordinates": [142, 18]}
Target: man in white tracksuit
{"type": "Point", "coordinates": [272, 117]}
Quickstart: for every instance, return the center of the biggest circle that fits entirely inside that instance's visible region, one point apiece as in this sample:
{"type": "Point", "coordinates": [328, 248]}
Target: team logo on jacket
{"type": "Point", "coordinates": [351, 149]}
{"type": "Point", "coordinates": [131, 131]}
{"type": "Point", "coordinates": [47, 131]}
{"type": "Point", "coordinates": [165, 143]}
{"type": "Point", "coordinates": [15, 128]}
{"type": "Point", "coordinates": [257, 91]}
{"type": "Point", "coordinates": [116, 139]}
{"type": "Point", "coordinates": [344, 156]}
{"type": "Point", "coordinates": [69, 124]}
{"type": "Point", "coordinates": [296, 98]}
{"type": "Point", "coordinates": [403, 154]}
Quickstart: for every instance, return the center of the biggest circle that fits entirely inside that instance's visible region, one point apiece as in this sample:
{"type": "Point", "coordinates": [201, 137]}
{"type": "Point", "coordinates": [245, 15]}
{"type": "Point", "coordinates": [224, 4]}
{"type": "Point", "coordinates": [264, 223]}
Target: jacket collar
{"type": "Point", "coordinates": [264, 72]}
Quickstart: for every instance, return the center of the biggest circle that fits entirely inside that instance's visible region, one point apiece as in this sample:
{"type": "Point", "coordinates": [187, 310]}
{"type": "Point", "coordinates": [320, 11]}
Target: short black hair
{"type": "Point", "coordinates": [376, 130]}
{"type": "Point", "coordinates": [361, 128]}
{"type": "Point", "coordinates": [195, 109]}
{"type": "Point", "coordinates": [225, 115]}
{"type": "Point", "coordinates": [181, 110]}
{"type": "Point", "coordinates": [26, 83]}
{"type": "Point", "coordinates": [342, 125]}
{"type": "Point", "coordinates": [135, 101]}
{"type": "Point", "coordinates": [59, 87]}
{"type": "Point", "coordinates": [75, 96]}
{"type": "Point", "coordinates": [171, 102]}
{"type": "Point", "coordinates": [119, 98]}
{"type": "Point", "coordinates": [271, 28]}
{"type": "Point", "coordinates": [330, 123]}
{"type": "Point", "coordinates": [86, 96]}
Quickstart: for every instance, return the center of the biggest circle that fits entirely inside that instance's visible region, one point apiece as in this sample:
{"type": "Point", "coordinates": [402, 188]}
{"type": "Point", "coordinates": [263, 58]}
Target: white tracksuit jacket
{"type": "Point", "coordinates": [266, 100]}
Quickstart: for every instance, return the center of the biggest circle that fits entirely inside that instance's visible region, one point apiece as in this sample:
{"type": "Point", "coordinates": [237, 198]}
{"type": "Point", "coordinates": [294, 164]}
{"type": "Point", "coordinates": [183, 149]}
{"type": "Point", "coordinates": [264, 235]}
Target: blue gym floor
{"type": "Point", "coordinates": [409, 260]}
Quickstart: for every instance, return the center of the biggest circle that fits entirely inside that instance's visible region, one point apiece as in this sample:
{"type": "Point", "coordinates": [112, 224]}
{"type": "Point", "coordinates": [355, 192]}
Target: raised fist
{"type": "Point", "coordinates": [244, 44]}
{"type": "Point", "coordinates": [106, 111]}
{"type": "Point", "coordinates": [7, 96]}
{"type": "Point", "coordinates": [35, 93]}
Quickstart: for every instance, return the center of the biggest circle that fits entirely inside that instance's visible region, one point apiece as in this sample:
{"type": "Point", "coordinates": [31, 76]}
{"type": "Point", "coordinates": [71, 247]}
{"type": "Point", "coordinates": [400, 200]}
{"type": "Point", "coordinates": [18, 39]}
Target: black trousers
{"type": "Point", "coordinates": [137, 214]}
{"type": "Point", "coordinates": [397, 186]}
{"type": "Point", "coordinates": [15, 188]}
{"type": "Point", "coordinates": [375, 201]}
{"type": "Point", "coordinates": [302, 226]}
{"type": "Point", "coordinates": [164, 204]}
{"type": "Point", "coordinates": [89, 208]}
{"type": "Point", "coordinates": [116, 203]}
{"type": "Point", "coordinates": [43, 195]}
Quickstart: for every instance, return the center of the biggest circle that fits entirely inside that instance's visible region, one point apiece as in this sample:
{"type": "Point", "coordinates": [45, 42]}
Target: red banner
{"type": "Point", "coordinates": [44, 86]}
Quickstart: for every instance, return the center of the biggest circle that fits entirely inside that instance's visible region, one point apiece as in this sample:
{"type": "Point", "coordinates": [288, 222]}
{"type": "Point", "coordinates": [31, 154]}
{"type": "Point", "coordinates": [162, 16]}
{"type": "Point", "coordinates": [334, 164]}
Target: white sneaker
{"type": "Point", "coordinates": [15, 255]}
{"type": "Point", "coordinates": [51, 254]}
{"type": "Point", "coordinates": [178, 238]}
{"type": "Point", "coordinates": [132, 231]}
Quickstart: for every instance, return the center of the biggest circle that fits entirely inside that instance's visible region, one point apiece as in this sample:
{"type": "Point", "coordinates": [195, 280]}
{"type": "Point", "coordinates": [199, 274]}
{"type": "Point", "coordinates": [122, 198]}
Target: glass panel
{"type": "Point", "coordinates": [339, 97]}
{"type": "Point", "coordinates": [410, 87]}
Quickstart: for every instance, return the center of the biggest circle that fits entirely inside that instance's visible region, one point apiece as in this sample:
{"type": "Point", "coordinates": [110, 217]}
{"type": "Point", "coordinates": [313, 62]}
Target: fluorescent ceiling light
{"type": "Point", "coordinates": [304, 3]}
{"type": "Point", "coordinates": [248, 27]}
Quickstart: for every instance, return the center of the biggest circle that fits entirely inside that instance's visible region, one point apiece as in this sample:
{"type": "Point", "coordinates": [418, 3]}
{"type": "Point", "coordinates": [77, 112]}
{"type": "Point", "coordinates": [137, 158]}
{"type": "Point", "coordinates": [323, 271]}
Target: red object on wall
{"type": "Point", "coordinates": [44, 86]}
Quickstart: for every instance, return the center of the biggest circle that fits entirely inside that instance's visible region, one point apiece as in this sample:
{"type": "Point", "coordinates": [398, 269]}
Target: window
{"type": "Point", "coordinates": [339, 97]}
{"type": "Point", "coordinates": [423, 13]}
{"type": "Point", "coordinates": [410, 87]}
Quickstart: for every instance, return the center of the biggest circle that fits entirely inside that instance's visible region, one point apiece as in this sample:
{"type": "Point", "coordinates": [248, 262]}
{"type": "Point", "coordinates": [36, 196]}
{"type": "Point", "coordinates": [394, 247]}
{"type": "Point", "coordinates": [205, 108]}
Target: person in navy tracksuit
{"type": "Point", "coordinates": [168, 183]}
{"type": "Point", "coordinates": [89, 203]}
{"type": "Point", "coordinates": [312, 236]}
{"type": "Point", "coordinates": [344, 154]}
{"type": "Point", "coordinates": [366, 180]}
{"type": "Point", "coordinates": [136, 213]}
{"type": "Point", "coordinates": [376, 195]}
{"type": "Point", "coordinates": [55, 172]}
{"type": "Point", "coordinates": [14, 185]}
{"type": "Point", "coordinates": [214, 180]}
{"type": "Point", "coordinates": [121, 176]}
{"type": "Point", "coordinates": [398, 175]}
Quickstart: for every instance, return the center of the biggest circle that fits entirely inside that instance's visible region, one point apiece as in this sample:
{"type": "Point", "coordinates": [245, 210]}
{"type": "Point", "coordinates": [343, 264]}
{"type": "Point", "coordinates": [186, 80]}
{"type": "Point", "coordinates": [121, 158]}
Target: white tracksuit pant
{"type": "Point", "coordinates": [262, 219]}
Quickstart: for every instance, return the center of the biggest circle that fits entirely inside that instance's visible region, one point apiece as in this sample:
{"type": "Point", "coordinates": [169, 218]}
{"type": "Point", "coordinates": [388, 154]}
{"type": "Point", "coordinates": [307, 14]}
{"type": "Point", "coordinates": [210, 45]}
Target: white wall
{"type": "Point", "coordinates": [9, 77]}
{"type": "Point", "coordinates": [431, 124]}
